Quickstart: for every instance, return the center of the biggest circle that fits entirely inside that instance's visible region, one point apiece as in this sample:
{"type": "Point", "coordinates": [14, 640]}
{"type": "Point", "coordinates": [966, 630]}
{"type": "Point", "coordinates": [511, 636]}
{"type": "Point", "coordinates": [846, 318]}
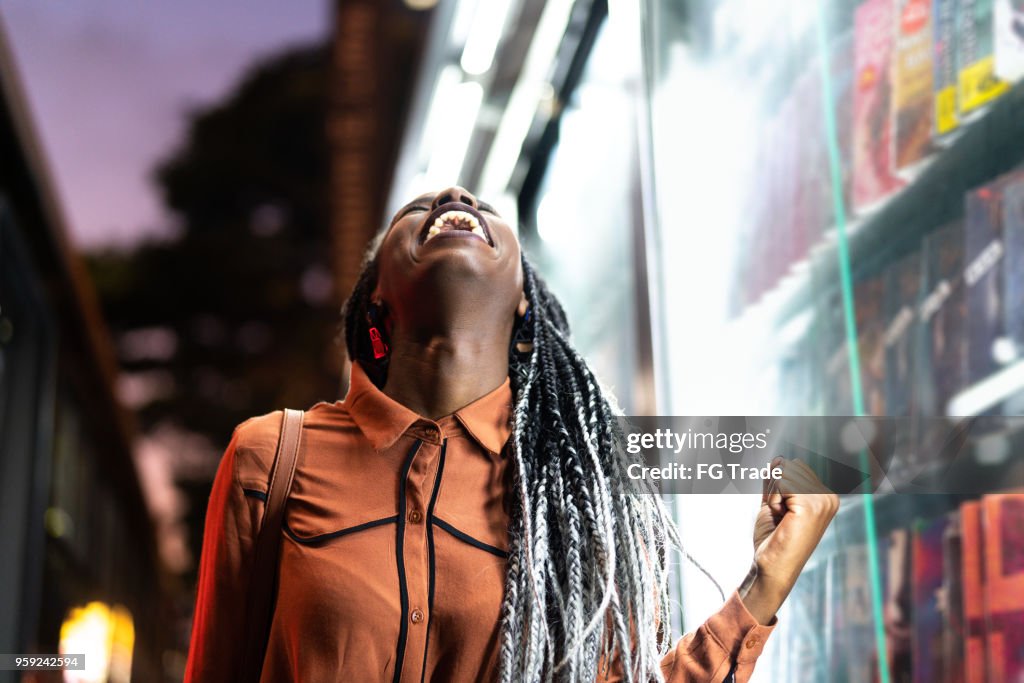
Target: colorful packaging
{"type": "Point", "coordinates": [913, 82]}
{"type": "Point", "coordinates": [973, 576]}
{"type": "Point", "coordinates": [984, 272]}
{"type": "Point", "coordinates": [928, 566]}
{"type": "Point", "coordinates": [978, 83]}
{"type": "Point", "coordinates": [944, 23]}
{"type": "Point", "coordinates": [873, 180]}
{"type": "Point", "coordinates": [1013, 277]}
{"type": "Point", "coordinates": [1003, 525]}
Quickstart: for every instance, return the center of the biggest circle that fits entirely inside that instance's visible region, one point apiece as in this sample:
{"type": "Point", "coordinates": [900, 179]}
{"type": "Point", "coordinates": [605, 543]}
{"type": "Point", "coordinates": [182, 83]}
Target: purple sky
{"type": "Point", "coordinates": [109, 83]}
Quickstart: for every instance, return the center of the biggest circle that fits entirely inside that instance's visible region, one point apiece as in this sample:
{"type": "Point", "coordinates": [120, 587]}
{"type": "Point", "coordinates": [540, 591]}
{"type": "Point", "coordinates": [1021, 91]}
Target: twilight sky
{"type": "Point", "coordinates": [109, 83]}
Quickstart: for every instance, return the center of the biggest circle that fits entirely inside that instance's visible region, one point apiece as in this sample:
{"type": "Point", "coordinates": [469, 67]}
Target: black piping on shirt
{"type": "Point", "coordinates": [466, 538]}
{"type": "Point", "coordinates": [320, 538]}
{"type": "Point", "coordinates": [313, 540]}
{"type": "Point", "coordinates": [403, 589]}
{"type": "Point", "coordinates": [430, 550]}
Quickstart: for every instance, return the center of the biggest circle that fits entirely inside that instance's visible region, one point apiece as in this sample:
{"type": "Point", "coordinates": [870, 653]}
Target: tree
{"type": "Point", "coordinates": [236, 316]}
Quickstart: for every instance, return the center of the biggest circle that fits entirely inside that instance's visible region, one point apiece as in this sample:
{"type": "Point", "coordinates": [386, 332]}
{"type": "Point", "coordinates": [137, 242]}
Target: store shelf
{"type": "Point", "coordinates": [986, 147]}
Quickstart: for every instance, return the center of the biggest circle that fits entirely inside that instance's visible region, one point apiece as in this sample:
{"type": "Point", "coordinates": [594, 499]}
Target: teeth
{"type": "Point", "coordinates": [450, 219]}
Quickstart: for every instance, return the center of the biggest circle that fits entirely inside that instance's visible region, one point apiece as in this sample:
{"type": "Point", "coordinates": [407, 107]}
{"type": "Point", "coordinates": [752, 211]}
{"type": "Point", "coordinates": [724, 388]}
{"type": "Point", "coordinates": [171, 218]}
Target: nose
{"type": "Point", "coordinates": [454, 194]}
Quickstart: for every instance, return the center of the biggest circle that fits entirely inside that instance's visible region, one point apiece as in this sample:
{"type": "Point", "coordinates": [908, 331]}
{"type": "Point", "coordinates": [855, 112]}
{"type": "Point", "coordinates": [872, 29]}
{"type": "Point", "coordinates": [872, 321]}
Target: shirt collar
{"type": "Point", "coordinates": [383, 420]}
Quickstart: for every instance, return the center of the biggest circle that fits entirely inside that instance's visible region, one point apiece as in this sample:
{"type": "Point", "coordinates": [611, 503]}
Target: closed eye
{"type": "Point", "coordinates": [487, 208]}
{"type": "Point", "coordinates": [412, 208]}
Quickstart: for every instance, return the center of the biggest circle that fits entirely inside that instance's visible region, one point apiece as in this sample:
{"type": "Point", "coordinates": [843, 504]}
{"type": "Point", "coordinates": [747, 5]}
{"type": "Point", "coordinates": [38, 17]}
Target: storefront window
{"type": "Point", "coordinates": [839, 223]}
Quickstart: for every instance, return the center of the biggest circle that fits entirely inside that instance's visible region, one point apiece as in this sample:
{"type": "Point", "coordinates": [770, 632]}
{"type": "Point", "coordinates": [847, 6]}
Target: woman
{"type": "Point", "coordinates": [459, 517]}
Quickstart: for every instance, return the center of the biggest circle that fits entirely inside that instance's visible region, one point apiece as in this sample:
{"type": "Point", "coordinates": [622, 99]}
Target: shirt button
{"type": "Point", "coordinates": [416, 616]}
{"type": "Point", "coordinates": [752, 642]}
{"type": "Point", "coordinates": [415, 517]}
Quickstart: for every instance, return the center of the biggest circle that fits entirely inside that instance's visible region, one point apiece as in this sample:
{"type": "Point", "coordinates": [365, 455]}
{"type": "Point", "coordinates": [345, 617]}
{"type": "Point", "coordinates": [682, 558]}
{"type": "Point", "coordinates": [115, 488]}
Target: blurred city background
{"type": "Point", "coordinates": [793, 207]}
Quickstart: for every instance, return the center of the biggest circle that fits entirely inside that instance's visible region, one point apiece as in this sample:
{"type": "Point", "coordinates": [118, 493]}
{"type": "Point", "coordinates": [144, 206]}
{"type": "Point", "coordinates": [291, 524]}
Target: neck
{"type": "Point", "coordinates": [436, 374]}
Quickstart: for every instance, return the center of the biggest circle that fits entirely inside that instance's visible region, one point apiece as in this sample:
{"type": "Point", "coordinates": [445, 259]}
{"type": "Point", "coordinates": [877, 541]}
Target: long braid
{"type": "Point", "coordinates": [587, 572]}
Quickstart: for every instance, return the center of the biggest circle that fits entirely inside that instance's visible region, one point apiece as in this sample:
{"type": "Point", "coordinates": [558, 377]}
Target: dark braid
{"type": "Point", "coordinates": [588, 569]}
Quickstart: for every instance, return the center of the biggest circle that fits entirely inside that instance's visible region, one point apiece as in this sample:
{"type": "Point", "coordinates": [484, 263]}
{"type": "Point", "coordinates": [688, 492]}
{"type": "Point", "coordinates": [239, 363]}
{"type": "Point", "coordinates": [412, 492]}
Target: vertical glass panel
{"type": "Point", "coordinates": [586, 215]}
{"type": "Point", "coordinates": [838, 193]}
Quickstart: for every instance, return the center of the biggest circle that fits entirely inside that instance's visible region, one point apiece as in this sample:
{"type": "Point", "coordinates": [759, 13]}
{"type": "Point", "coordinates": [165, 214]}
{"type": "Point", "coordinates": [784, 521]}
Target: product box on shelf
{"type": "Point", "coordinates": [976, 65]}
{"type": "Point", "coordinates": [973, 576]}
{"type": "Point", "coordinates": [1013, 279]}
{"type": "Point", "coordinates": [944, 31]}
{"type": "Point", "coordinates": [873, 179]}
{"type": "Point", "coordinates": [1003, 529]}
{"type": "Point", "coordinates": [984, 271]}
{"type": "Point", "coordinates": [928, 565]}
{"type": "Point", "coordinates": [913, 82]}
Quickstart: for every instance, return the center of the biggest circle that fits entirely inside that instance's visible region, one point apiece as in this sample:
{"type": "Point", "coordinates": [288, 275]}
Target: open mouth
{"type": "Point", "coordinates": [455, 219]}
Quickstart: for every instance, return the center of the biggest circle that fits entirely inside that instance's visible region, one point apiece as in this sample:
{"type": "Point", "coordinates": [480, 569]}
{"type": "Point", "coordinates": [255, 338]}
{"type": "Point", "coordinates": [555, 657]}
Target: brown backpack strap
{"type": "Point", "coordinates": [263, 584]}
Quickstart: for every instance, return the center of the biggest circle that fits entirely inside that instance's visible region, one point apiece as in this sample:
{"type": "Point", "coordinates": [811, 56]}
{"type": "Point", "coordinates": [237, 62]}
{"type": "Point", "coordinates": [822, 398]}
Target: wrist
{"type": "Point", "coordinates": [761, 596]}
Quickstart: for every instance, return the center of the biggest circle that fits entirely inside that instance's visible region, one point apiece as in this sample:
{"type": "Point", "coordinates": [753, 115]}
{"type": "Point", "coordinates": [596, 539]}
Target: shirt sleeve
{"type": "Point", "coordinates": [232, 521]}
{"type": "Point", "coordinates": [729, 642]}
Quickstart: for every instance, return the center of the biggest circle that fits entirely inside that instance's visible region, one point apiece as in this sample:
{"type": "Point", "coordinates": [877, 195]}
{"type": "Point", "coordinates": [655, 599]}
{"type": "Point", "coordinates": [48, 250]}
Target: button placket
{"type": "Point", "coordinates": [418, 486]}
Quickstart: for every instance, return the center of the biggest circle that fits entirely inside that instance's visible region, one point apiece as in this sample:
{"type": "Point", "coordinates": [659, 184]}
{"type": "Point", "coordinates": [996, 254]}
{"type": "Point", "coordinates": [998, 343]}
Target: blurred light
{"type": "Point", "coordinates": [484, 34]}
{"type": "Point", "coordinates": [106, 636]}
{"type": "Point", "coordinates": [420, 4]}
{"type": "Point", "coordinates": [508, 208]}
{"type": "Point", "coordinates": [137, 389]}
{"type": "Point", "coordinates": [554, 219]}
{"type": "Point", "coordinates": [526, 96]}
{"type": "Point", "coordinates": [447, 82]}
{"type": "Point", "coordinates": [976, 399]}
{"type": "Point", "coordinates": [148, 343]}
{"type": "Point", "coordinates": [450, 122]}
{"type": "Point", "coordinates": [992, 449]}
{"type": "Point", "coordinates": [267, 220]}
{"type": "Point", "coordinates": [317, 285]}
{"type": "Point", "coordinates": [797, 329]}
{"type": "Point", "coordinates": [58, 522]}
{"type": "Point", "coordinates": [461, 21]}
{"type": "Point", "coordinates": [1004, 351]}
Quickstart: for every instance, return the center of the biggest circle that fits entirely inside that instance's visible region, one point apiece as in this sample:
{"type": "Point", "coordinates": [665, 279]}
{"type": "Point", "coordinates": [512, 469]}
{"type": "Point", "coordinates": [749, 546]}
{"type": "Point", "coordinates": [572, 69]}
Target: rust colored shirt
{"type": "Point", "coordinates": [393, 553]}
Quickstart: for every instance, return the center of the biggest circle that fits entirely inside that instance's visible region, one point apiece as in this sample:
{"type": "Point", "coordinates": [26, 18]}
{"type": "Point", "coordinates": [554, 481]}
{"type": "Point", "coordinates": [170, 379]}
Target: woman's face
{"type": "Point", "coordinates": [449, 245]}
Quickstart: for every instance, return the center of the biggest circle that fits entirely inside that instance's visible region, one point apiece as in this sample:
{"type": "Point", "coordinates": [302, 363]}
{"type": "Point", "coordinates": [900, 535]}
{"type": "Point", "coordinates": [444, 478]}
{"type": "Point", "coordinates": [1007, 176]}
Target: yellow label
{"type": "Point", "coordinates": [979, 84]}
{"type": "Point", "coordinates": [945, 110]}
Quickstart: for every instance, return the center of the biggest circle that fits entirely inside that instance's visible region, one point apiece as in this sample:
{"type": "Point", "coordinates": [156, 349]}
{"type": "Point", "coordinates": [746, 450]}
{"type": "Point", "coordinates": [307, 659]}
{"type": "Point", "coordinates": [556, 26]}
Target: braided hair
{"type": "Point", "coordinates": [587, 576]}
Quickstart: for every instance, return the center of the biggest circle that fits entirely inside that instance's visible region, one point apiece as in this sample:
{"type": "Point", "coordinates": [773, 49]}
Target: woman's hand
{"type": "Point", "coordinates": [795, 511]}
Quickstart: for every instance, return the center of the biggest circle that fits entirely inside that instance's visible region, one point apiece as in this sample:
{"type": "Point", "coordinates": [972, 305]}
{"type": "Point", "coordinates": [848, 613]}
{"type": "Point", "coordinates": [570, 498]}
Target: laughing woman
{"type": "Point", "coordinates": [460, 516]}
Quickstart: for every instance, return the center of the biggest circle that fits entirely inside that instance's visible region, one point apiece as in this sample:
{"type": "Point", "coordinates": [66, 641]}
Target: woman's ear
{"type": "Point", "coordinates": [523, 306]}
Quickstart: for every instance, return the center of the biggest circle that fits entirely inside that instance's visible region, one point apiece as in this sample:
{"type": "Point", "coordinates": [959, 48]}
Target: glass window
{"type": "Point", "coordinates": [839, 229]}
{"type": "Point", "coordinates": [587, 217]}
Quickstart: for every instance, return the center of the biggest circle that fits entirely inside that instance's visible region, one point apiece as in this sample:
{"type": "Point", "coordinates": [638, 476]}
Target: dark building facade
{"type": "Point", "coordinates": [72, 514]}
